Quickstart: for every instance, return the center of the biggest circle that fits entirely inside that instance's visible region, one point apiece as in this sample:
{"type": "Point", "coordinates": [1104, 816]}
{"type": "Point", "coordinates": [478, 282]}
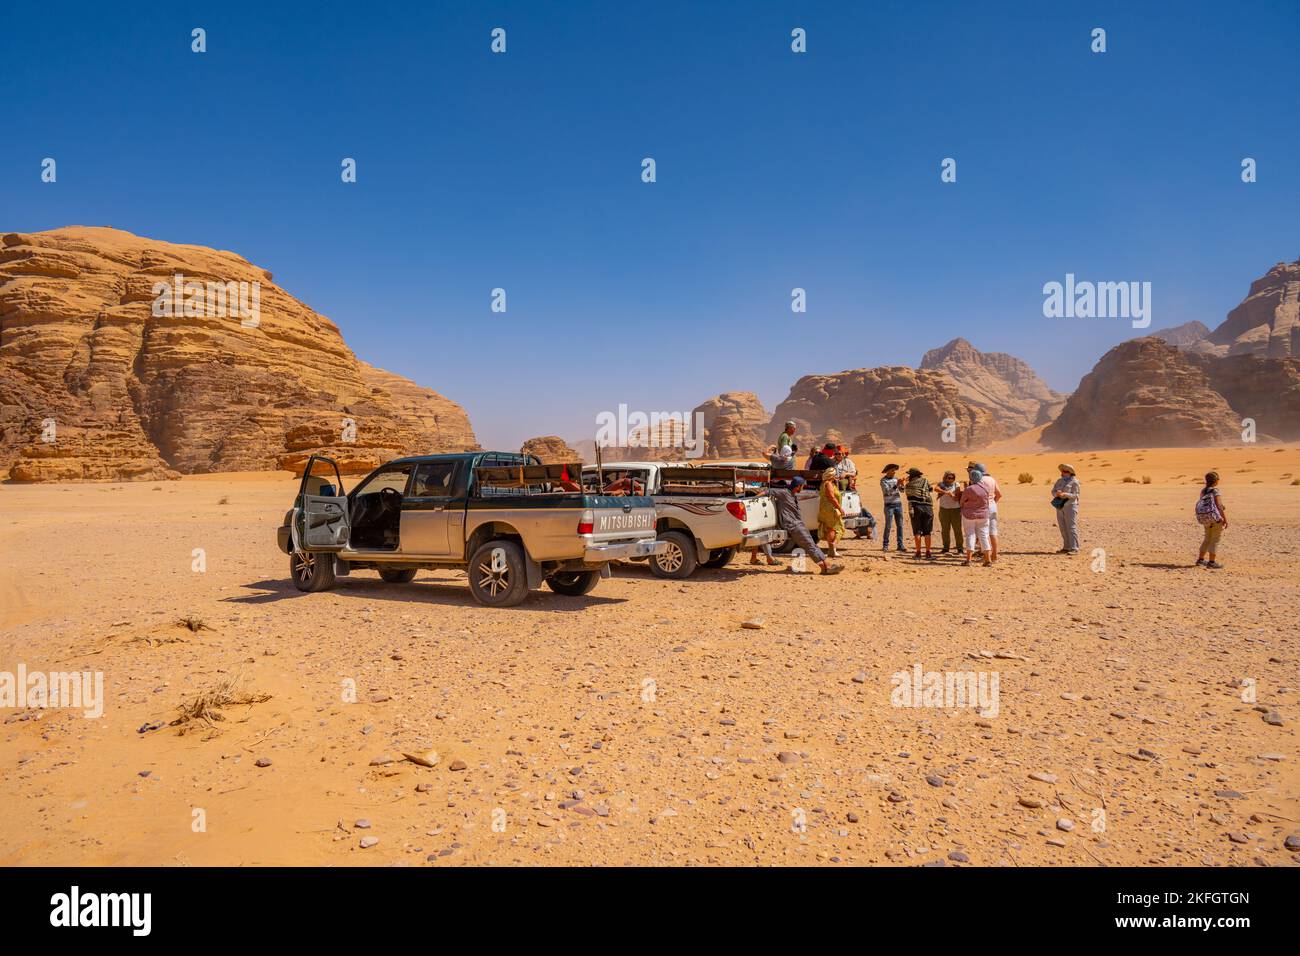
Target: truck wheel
{"type": "Point", "coordinates": [785, 547]}
{"type": "Point", "coordinates": [720, 558]}
{"type": "Point", "coordinates": [312, 570]}
{"type": "Point", "coordinates": [860, 532]}
{"type": "Point", "coordinates": [497, 574]}
{"type": "Point", "coordinates": [573, 583]}
{"type": "Point", "coordinates": [679, 560]}
{"type": "Point", "coordinates": [397, 575]}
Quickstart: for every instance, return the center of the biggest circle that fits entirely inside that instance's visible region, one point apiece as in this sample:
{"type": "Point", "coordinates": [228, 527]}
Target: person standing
{"type": "Point", "coordinates": [975, 517]}
{"type": "Point", "coordinates": [920, 510]}
{"type": "Point", "coordinates": [995, 495]}
{"type": "Point", "coordinates": [949, 511]}
{"type": "Point", "coordinates": [1212, 515]}
{"type": "Point", "coordinates": [893, 505]}
{"type": "Point", "coordinates": [1065, 498]}
{"type": "Point", "coordinates": [847, 473]}
{"type": "Point", "coordinates": [830, 512]}
{"type": "Point", "coordinates": [790, 519]}
{"type": "Point", "coordinates": [785, 443]}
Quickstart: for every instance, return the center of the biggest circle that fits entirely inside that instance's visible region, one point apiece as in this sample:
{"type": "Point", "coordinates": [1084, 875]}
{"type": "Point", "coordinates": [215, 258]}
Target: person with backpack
{"type": "Point", "coordinates": [975, 517]}
{"type": "Point", "coordinates": [1065, 499]}
{"type": "Point", "coordinates": [1212, 516]}
{"type": "Point", "coordinates": [921, 508]}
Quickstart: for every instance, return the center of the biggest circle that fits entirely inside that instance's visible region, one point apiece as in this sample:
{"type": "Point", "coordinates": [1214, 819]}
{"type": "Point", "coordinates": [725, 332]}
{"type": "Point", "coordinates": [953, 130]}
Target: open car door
{"type": "Point", "coordinates": [320, 519]}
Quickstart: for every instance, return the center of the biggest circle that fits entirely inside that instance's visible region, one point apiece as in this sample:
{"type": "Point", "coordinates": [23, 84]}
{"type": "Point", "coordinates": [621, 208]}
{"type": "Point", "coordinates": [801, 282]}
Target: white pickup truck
{"type": "Point", "coordinates": [809, 497]}
{"type": "Point", "coordinates": [703, 515]}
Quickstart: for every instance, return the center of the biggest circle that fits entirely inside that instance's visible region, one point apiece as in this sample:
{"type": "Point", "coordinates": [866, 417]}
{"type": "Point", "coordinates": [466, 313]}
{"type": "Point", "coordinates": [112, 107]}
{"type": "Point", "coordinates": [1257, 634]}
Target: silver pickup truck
{"type": "Point", "coordinates": [511, 522]}
{"type": "Point", "coordinates": [703, 514]}
{"type": "Point", "coordinates": [809, 499]}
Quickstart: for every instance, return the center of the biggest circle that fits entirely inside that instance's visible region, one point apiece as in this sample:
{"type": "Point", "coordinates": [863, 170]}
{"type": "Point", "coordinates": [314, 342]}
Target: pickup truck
{"type": "Point", "coordinates": [808, 498]}
{"type": "Point", "coordinates": [703, 515]}
{"type": "Point", "coordinates": [510, 521]}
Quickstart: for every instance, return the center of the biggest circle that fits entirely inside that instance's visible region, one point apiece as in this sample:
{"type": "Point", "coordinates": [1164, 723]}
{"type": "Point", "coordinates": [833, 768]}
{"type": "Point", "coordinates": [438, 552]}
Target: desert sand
{"type": "Point", "coordinates": [643, 724]}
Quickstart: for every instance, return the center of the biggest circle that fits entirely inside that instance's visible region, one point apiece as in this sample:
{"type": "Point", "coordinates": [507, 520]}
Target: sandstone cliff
{"type": "Point", "coordinates": [903, 405]}
{"type": "Point", "coordinates": [1001, 383]}
{"type": "Point", "coordinates": [734, 425]}
{"type": "Point", "coordinates": [95, 385]}
{"type": "Point", "coordinates": [1144, 393]}
{"type": "Point", "coordinates": [551, 449]}
{"type": "Point", "coordinates": [1266, 323]}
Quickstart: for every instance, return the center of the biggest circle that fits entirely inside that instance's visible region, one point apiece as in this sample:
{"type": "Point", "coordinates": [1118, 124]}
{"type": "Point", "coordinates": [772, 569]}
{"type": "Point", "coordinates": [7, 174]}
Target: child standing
{"type": "Point", "coordinates": [1212, 516]}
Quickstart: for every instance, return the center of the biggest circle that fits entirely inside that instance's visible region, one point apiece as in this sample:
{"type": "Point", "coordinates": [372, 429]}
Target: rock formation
{"type": "Point", "coordinates": [1144, 393]}
{"type": "Point", "coordinates": [551, 449]}
{"type": "Point", "coordinates": [1182, 336]}
{"type": "Point", "coordinates": [1001, 383]}
{"type": "Point", "coordinates": [97, 381]}
{"type": "Point", "coordinates": [906, 406]}
{"type": "Point", "coordinates": [734, 423]}
{"type": "Point", "coordinates": [871, 443]}
{"type": "Point", "coordinates": [1266, 323]}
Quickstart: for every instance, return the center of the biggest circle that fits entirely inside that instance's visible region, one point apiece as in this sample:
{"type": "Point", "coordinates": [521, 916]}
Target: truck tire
{"type": "Point", "coordinates": [311, 570]}
{"type": "Point", "coordinates": [397, 575]}
{"type": "Point", "coordinates": [573, 583]}
{"type": "Point", "coordinates": [720, 557]}
{"type": "Point", "coordinates": [504, 587]}
{"type": "Point", "coordinates": [679, 560]}
{"type": "Point", "coordinates": [785, 547]}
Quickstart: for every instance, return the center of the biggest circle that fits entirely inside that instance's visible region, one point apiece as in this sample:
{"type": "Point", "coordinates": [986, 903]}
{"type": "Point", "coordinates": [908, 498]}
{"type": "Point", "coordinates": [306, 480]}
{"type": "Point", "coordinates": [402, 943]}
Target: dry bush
{"type": "Point", "coordinates": [193, 622]}
{"type": "Point", "coordinates": [1025, 478]}
{"type": "Point", "coordinates": [205, 709]}
{"type": "Point", "coordinates": [1129, 480]}
{"type": "Point", "coordinates": [1146, 479]}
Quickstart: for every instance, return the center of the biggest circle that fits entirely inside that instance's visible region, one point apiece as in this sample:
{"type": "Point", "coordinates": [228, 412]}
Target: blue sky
{"type": "Point", "coordinates": [775, 170]}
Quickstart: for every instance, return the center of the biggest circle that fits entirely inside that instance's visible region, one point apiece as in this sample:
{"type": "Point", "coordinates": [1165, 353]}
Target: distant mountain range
{"type": "Point", "coordinates": [95, 385]}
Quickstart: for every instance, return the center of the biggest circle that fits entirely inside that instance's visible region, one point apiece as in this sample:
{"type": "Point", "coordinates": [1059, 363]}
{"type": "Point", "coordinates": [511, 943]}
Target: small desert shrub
{"type": "Point", "coordinates": [1129, 480]}
{"type": "Point", "coordinates": [224, 501]}
{"type": "Point", "coordinates": [1295, 481]}
{"type": "Point", "coordinates": [206, 707]}
{"type": "Point", "coordinates": [1146, 479]}
{"type": "Point", "coordinates": [1025, 478]}
{"type": "Point", "coordinates": [193, 622]}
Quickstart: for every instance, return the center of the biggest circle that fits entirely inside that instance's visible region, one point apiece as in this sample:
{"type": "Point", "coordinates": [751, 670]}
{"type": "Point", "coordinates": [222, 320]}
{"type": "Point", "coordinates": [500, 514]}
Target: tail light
{"type": "Point", "coordinates": [737, 509]}
{"type": "Point", "coordinates": [587, 523]}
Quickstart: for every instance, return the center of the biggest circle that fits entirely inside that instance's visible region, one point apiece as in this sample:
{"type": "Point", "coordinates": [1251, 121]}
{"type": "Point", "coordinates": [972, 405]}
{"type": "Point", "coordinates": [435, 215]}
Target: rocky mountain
{"type": "Point", "coordinates": [1001, 383]}
{"type": "Point", "coordinates": [112, 368]}
{"type": "Point", "coordinates": [1266, 323]}
{"type": "Point", "coordinates": [1182, 336]}
{"type": "Point", "coordinates": [734, 425]}
{"type": "Point", "coordinates": [1187, 385]}
{"type": "Point", "coordinates": [551, 449]}
{"type": "Point", "coordinates": [900, 404]}
{"type": "Point", "coordinates": [1144, 393]}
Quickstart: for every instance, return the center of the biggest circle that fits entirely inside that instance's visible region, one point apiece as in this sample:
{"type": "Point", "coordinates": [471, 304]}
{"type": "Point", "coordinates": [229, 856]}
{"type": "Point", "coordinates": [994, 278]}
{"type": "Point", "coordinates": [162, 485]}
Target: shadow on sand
{"type": "Point", "coordinates": [448, 593]}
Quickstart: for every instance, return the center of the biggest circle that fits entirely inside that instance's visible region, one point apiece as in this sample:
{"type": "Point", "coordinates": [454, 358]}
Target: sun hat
{"type": "Point", "coordinates": [1069, 468]}
{"type": "Point", "coordinates": [950, 474]}
{"type": "Point", "coordinates": [914, 472]}
{"type": "Point", "coordinates": [889, 468]}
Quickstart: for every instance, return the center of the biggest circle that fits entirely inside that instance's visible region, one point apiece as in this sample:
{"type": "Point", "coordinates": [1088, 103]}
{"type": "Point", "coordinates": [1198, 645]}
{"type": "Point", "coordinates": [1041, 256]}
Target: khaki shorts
{"type": "Point", "coordinates": [1213, 532]}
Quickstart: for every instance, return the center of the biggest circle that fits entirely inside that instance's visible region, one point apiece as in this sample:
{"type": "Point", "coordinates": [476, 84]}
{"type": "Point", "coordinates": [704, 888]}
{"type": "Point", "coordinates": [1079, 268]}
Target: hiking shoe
{"type": "Point", "coordinates": [1200, 562]}
{"type": "Point", "coordinates": [833, 569]}
{"type": "Point", "coordinates": [1213, 564]}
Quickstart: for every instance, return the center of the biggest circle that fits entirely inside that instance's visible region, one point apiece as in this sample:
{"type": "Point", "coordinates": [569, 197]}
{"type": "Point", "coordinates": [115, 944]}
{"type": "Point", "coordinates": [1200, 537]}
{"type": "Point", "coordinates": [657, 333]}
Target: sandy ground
{"type": "Point", "coordinates": [643, 724]}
